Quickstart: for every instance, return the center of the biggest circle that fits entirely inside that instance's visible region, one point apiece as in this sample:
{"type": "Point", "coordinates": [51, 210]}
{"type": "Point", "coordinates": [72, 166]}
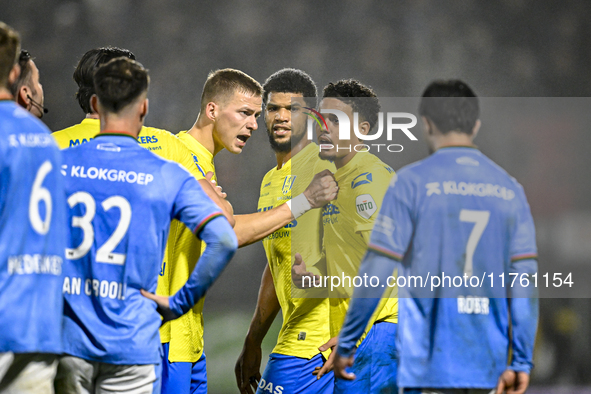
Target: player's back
{"type": "Point", "coordinates": [122, 199]}
{"type": "Point", "coordinates": [32, 234]}
{"type": "Point", "coordinates": [470, 218]}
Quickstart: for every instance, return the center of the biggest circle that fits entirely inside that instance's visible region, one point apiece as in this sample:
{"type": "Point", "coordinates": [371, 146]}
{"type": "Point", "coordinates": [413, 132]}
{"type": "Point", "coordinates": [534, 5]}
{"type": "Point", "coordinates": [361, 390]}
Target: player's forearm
{"type": "Point", "coordinates": [221, 245]}
{"type": "Point", "coordinates": [253, 227]}
{"type": "Point", "coordinates": [524, 318]}
{"type": "Point", "coordinates": [266, 310]}
{"type": "Point", "coordinates": [365, 301]}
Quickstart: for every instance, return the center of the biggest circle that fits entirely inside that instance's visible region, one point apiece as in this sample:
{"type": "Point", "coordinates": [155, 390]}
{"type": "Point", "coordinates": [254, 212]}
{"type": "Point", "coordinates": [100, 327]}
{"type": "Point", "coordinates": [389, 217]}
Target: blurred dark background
{"type": "Point", "coordinates": [508, 48]}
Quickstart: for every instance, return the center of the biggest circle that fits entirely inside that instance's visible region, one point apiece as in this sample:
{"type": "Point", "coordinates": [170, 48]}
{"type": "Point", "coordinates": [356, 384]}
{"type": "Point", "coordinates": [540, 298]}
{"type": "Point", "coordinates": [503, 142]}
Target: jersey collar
{"type": "Point", "coordinates": [115, 133]}
{"type": "Point", "coordinates": [459, 146]}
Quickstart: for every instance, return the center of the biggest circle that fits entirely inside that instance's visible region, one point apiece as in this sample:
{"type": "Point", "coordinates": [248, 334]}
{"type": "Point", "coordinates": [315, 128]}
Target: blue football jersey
{"type": "Point", "coordinates": [32, 234]}
{"type": "Point", "coordinates": [457, 213]}
{"type": "Point", "coordinates": [121, 200]}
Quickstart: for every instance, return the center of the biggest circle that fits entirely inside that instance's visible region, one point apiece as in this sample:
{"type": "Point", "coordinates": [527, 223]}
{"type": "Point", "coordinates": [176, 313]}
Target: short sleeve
{"type": "Point", "coordinates": [369, 189]}
{"type": "Point", "coordinates": [394, 226]}
{"type": "Point", "coordinates": [523, 240]}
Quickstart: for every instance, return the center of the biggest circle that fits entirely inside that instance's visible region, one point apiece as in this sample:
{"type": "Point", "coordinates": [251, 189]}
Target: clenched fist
{"type": "Point", "coordinates": [322, 189]}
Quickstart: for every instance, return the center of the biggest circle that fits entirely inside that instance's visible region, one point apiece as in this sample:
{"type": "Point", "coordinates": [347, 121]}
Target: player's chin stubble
{"type": "Point", "coordinates": [283, 147]}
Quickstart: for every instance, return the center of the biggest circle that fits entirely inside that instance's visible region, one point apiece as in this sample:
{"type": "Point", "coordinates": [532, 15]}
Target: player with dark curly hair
{"type": "Point", "coordinates": [348, 220]}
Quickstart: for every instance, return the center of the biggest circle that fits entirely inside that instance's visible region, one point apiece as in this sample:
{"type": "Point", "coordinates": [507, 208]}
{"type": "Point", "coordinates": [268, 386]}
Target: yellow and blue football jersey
{"type": "Point", "coordinates": [305, 320]}
{"type": "Point", "coordinates": [348, 221]}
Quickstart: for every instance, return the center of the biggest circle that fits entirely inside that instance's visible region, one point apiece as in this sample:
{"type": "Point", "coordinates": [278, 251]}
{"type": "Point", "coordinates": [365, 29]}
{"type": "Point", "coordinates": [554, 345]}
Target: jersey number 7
{"type": "Point", "coordinates": [480, 220]}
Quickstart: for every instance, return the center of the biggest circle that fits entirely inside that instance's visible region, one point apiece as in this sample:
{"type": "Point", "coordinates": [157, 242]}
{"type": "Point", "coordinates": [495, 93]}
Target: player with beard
{"type": "Point", "coordinates": [230, 104]}
{"type": "Point", "coordinates": [27, 90]}
{"type": "Point", "coordinates": [305, 326]}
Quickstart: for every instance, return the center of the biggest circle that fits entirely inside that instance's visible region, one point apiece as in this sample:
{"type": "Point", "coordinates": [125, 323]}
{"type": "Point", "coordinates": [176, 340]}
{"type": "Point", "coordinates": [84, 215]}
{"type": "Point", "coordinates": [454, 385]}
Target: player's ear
{"type": "Point", "coordinates": [94, 103]}
{"type": "Point", "coordinates": [211, 110]}
{"type": "Point", "coordinates": [21, 97]}
{"type": "Point", "coordinates": [144, 109]}
{"type": "Point", "coordinates": [364, 128]}
{"type": "Point", "coordinates": [475, 129]}
{"type": "Point", "coordinates": [427, 125]}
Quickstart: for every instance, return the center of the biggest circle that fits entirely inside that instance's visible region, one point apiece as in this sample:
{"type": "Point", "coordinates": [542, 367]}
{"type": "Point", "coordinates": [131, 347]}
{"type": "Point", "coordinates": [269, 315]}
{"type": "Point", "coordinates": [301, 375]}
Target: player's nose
{"type": "Point", "coordinates": [283, 114]}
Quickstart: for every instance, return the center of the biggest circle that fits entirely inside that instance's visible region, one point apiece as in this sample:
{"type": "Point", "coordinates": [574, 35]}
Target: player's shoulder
{"type": "Point", "coordinates": [77, 134]}
{"type": "Point", "coordinates": [154, 131]}
{"type": "Point", "coordinates": [269, 175]}
{"type": "Point", "coordinates": [370, 175]}
{"type": "Point", "coordinates": [15, 118]}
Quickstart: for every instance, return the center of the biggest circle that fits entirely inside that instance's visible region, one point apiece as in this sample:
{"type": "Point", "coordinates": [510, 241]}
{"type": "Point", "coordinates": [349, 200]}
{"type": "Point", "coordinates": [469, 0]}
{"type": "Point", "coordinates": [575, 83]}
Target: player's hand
{"type": "Point", "coordinates": [299, 271]}
{"type": "Point", "coordinates": [512, 382]}
{"type": "Point", "coordinates": [327, 367]}
{"type": "Point", "coordinates": [322, 189]}
{"type": "Point", "coordinates": [214, 184]}
{"type": "Point", "coordinates": [213, 193]}
{"type": "Point", "coordinates": [247, 369]}
{"type": "Point", "coordinates": [163, 305]}
{"type": "Point", "coordinates": [340, 365]}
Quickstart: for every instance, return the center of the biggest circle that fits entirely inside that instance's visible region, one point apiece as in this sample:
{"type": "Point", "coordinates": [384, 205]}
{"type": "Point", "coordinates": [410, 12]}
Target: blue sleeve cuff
{"type": "Point", "coordinates": [521, 367]}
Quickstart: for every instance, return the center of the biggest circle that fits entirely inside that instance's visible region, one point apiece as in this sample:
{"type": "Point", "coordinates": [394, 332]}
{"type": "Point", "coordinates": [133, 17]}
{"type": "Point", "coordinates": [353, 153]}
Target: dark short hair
{"type": "Point", "coordinates": [290, 80]}
{"type": "Point", "coordinates": [451, 105]}
{"type": "Point", "coordinates": [120, 82]}
{"type": "Point", "coordinates": [347, 89]}
{"type": "Point", "coordinates": [86, 67]}
{"type": "Point", "coordinates": [24, 61]}
{"type": "Point", "coordinates": [221, 84]}
{"type": "Point", "coordinates": [9, 48]}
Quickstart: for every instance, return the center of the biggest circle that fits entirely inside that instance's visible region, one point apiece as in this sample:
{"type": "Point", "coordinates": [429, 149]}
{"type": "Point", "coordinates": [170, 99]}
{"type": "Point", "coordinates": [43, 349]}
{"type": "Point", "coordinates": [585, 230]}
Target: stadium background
{"type": "Point", "coordinates": [507, 48]}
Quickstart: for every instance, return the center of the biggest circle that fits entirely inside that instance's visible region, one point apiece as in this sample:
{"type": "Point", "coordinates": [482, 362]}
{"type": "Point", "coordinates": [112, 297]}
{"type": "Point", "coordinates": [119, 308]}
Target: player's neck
{"type": "Point", "coordinates": [120, 125]}
{"type": "Point", "coordinates": [340, 162]}
{"type": "Point", "coordinates": [203, 133]}
{"type": "Point", "coordinates": [5, 94]}
{"type": "Point", "coordinates": [284, 157]}
{"type": "Point", "coordinates": [92, 115]}
{"type": "Point", "coordinates": [452, 139]}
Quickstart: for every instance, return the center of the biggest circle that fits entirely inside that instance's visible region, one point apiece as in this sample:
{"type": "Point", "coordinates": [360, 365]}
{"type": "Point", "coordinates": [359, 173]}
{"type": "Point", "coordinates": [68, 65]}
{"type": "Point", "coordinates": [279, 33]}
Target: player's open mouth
{"type": "Point", "coordinates": [323, 139]}
{"type": "Point", "coordinates": [242, 138]}
{"type": "Point", "coordinates": [281, 130]}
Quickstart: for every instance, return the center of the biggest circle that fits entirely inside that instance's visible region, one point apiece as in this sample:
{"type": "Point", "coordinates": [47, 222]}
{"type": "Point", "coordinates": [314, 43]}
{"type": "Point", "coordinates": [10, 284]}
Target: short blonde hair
{"type": "Point", "coordinates": [221, 85]}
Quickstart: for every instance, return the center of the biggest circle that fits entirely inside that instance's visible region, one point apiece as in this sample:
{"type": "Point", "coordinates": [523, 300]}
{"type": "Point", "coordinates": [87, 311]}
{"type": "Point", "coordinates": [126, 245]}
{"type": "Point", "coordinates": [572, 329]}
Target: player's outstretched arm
{"type": "Point", "coordinates": [249, 362]}
{"type": "Point", "coordinates": [221, 245]}
{"type": "Point", "coordinates": [253, 227]}
{"type": "Point", "coordinates": [364, 303]}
